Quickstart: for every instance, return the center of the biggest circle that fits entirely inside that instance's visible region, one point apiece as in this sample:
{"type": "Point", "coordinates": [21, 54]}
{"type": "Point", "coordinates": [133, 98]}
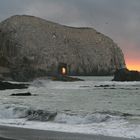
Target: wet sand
{"type": "Point", "coordinates": [14, 133]}
{"type": "Point", "coordinates": [5, 138]}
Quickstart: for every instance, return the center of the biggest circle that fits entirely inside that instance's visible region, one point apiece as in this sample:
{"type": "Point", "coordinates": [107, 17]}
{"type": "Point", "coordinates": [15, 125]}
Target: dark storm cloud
{"type": "Point", "coordinates": [119, 19]}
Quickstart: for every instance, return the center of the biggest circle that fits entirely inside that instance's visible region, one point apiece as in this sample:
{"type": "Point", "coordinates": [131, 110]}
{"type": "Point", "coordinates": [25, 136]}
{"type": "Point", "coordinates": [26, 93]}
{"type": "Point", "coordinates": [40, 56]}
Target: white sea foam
{"type": "Point", "coordinates": [82, 107]}
{"type": "Point", "coordinates": [98, 123]}
{"type": "Point", "coordinates": [119, 129]}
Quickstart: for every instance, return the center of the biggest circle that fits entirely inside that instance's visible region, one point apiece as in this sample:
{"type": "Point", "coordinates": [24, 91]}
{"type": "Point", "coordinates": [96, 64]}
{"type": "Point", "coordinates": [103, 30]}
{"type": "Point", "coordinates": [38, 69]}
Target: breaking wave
{"type": "Point", "coordinates": [13, 112]}
{"type": "Point", "coordinates": [105, 123]}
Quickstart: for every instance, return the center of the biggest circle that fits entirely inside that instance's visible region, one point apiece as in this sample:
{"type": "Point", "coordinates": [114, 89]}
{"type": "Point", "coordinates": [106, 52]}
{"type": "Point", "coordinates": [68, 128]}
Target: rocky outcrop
{"type": "Point", "coordinates": [65, 78]}
{"type": "Point", "coordinates": [7, 85]}
{"type": "Point", "coordinates": [21, 94]}
{"type": "Point", "coordinates": [126, 75]}
{"type": "Point", "coordinates": [32, 47]}
{"type": "Point", "coordinates": [40, 115]}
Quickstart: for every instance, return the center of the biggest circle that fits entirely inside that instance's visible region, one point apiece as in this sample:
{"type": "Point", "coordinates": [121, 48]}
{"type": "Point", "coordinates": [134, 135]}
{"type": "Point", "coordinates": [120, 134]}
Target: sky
{"type": "Point", "coordinates": [118, 19]}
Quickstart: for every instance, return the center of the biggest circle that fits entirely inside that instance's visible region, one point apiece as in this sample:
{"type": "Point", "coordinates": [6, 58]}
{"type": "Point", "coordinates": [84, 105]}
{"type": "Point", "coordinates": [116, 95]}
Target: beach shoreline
{"type": "Point", "coordinates": [15, 133]}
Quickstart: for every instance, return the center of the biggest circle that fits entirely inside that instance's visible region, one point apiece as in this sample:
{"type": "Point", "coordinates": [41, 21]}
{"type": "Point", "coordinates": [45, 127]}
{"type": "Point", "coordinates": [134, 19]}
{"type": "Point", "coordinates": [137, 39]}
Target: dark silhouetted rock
{"type": "Point", "coordinates": [126, 75]}
{"type": "Point", "coordinates": [65, 78]}
{"type": "Point", "coordinates": [40, 115]}
{"type": "Point", "coordinates": [31, 47]}
{"type": "Point", "coordinates": [7, 85]}
{"type": "Point", "coordinates": [22, 94]}
{"type": "Point", "coordinates": [103, 86]}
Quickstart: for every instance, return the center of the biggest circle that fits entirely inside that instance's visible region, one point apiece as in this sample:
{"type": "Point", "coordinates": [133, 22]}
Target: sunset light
{"type": "Point", "coordinates": [133, 65]}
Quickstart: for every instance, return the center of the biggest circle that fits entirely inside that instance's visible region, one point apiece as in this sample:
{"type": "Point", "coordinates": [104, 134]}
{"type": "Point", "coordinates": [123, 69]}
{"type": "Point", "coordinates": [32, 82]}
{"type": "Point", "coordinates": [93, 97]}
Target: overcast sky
{"type": "Point", "coordinates": [119, 19]}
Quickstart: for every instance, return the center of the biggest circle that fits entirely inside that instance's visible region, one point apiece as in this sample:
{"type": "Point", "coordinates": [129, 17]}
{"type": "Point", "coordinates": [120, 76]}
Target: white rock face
{"type": "Point", "coordinates": [31, 47]}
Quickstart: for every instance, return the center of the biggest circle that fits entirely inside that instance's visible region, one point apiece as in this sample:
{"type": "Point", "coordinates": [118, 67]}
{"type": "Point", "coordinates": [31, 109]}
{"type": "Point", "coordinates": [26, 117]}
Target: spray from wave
{"type": "Point", "coordinates": [30, 114]}
{"type": "Point", "coordinates": [105, 123]}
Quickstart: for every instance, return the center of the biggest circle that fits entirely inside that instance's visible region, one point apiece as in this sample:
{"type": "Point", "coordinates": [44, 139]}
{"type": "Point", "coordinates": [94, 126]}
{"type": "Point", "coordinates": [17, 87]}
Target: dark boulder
{"type": "Point", "coordinates": [126, 75]}
{"type": "Point", "coordinates": [40, 115]}
{"type": "Point", "coordinates": [7, 85]}
{"type": "Point", "coordinates": [22, 94]}
{"type": "Point", "coordinates": [65, 78]}
{"type": "Point", "coordinates": [103, 86]}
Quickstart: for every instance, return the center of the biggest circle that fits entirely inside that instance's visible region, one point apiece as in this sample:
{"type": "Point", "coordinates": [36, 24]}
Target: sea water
{"type": "Point", "coordinates": [94, 106]}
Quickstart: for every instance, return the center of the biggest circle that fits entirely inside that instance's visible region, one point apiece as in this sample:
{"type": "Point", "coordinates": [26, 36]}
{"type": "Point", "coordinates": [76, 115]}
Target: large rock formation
{"type": "Point", "coordinates": [126, 75]}
{"type": "Point", "coordinates": [31, 47]}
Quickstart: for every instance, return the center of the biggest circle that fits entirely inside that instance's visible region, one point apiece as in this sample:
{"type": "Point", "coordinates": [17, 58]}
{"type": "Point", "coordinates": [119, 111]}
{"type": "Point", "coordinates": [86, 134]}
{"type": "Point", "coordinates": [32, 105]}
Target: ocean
{"type": "Point", "coordinates": [94, 106]}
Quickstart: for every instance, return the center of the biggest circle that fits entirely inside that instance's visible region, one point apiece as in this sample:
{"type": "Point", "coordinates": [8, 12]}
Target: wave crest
{"type": "Point", "coordinates": [14, 112]}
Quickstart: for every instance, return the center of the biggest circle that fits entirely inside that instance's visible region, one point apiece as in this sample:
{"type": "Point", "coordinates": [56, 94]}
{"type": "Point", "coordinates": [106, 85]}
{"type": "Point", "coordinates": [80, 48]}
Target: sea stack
{"type": "Point", "coordinates": [31, 47]}
{"type": "Point", "coordinates": [126, 75]}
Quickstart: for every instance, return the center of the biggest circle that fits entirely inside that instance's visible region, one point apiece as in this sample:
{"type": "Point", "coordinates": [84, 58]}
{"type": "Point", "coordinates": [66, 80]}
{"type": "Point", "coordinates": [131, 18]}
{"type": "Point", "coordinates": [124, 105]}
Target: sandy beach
{"type": "Point", "coordinates": [14, 133]}
{"type": "Point", "coordinates": [1, 138]}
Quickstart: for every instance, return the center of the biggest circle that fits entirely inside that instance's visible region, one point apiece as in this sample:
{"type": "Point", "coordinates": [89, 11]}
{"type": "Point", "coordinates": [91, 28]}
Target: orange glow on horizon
{"type": "Point", "coordinates": [133, 65]}
{"type": "Point", "coordinates": [131, 53]}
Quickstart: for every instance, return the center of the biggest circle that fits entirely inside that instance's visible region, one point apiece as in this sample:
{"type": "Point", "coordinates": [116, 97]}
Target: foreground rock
{"type": "Point", "coordinates": [22, 94]}
{"type": "Point", "coordinates": [7, 85]}
{"type": "Point", "coordinates": [65, 78]}
{"type": "Point", "coordinates": [126, 75]}
{"type": "Point", "coordinates": [40, 115]}
{"type": "Point", "coordinates": [31, 47]}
